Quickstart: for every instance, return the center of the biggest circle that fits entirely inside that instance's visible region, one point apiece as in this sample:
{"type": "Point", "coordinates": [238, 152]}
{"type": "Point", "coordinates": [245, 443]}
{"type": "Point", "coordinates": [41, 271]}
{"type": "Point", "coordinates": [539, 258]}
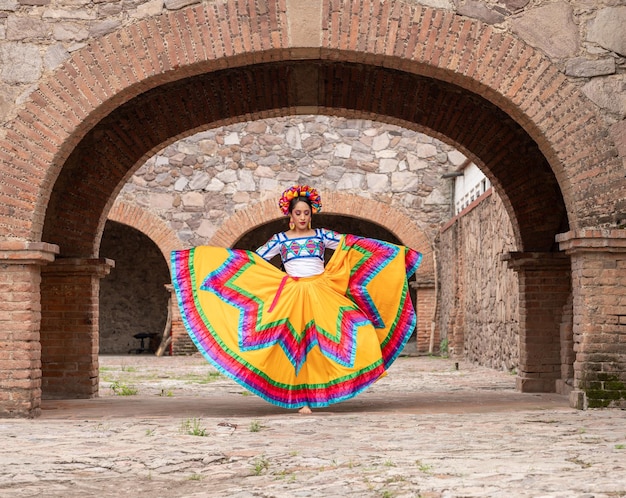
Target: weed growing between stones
{"type": "Point", "coordinates": [423, 467]}
{"type": "Point", "coordinates": [121, 389]}
{"type": "Point", "coordinates": [443, 347]}
{"type": "Point", "coordinates": [287, 475]}
{"type": "Point", "coordinates": [578, 461]}
{"type": "Point", "coordinates": [193, 427]}
{"type": "Point", "coordinates": [255, 426]}
{"type": "Point", "coordinates": [261, 464]}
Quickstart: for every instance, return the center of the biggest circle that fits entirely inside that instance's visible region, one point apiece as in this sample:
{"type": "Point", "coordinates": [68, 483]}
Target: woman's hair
{"type": "Point", "coordinates": [295, 201]}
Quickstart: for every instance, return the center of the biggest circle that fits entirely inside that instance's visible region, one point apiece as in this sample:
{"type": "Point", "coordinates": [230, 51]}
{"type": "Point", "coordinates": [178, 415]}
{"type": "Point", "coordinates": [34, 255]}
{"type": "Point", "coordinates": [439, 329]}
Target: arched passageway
{"type": "Point", "coordinates": [82, 133]}
{"type": "Point", "coordinates": [133, 298]}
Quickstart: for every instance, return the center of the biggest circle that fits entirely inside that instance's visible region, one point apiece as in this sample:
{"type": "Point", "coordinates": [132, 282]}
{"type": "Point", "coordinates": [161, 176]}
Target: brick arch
{"type": "Point", "coordinates": [496, 98]}
{"type": "Point", "coordinates": [335, 203]}
{"type": "Point", "coordinates": [147, 223]}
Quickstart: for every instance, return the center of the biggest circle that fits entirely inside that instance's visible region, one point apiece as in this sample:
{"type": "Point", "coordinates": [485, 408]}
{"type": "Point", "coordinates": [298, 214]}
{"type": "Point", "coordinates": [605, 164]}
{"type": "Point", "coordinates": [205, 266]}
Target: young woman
{"type": "Point", "coordinates": [309, 336]}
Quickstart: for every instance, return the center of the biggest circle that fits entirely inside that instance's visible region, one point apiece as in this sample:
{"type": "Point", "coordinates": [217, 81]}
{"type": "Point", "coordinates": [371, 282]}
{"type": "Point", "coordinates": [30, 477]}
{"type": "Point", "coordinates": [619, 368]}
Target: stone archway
{"type": "Point", "coordinates": [500, 101]}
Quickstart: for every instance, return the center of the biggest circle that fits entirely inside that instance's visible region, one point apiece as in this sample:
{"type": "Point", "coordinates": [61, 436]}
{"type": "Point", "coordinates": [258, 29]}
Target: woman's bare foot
{"type": "Point", "coordinates": [305, 410]}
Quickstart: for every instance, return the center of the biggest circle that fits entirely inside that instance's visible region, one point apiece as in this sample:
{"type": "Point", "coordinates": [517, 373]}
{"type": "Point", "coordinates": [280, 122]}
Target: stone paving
{"type": "Point", "coordinates": [428, 429]}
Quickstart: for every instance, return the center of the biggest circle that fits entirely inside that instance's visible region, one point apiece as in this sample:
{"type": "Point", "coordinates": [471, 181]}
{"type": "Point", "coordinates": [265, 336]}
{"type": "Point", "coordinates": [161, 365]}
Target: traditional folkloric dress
{"type": "Point", "coordinates": [311, 336]}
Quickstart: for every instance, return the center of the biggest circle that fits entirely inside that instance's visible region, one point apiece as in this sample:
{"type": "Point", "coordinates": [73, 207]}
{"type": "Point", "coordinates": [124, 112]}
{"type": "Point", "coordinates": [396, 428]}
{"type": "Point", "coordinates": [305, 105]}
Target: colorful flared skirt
{"type": "Point", "coordinates": [299, 341]}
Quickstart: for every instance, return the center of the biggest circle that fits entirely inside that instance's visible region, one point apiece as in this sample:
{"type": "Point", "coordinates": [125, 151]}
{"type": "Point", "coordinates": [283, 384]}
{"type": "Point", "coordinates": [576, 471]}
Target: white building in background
{"type": "Point", "coordinates": [469, 185]}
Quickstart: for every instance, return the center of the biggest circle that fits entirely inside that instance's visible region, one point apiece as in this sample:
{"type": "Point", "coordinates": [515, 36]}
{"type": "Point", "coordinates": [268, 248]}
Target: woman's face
{"type": "Point", "coordinates": [300, 216]}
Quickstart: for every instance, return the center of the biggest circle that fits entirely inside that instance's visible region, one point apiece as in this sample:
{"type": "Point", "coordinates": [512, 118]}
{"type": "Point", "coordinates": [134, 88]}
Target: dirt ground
{"type": "Point", "coordinates": [172, 426]}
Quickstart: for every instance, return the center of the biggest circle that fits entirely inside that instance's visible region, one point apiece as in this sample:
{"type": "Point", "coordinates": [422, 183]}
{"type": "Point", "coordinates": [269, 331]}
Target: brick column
{"type": "Point", "coordinates": [426, 329]}
{"type": "Point", "coordinates": [544, 287]}
{"type": "Point", "coordinates": [69, 327]}
{"type": "Point", "coordinates": [565, 384]}
{"type": "Point", "coordinates": [599, 291]}
{"type": "Point", "coordinates": [20, 318]}
{"type": "Point", "coordinates": [181, 342]}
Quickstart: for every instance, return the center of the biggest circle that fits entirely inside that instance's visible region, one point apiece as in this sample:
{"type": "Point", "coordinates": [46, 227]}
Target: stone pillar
{"type": "Point", "coordinates": [20, 318]}
{"type": "Point", "coordinates": [599, 307]}
{"type": "Point", "coordinates": [69, 327]}
{"type": "Point", "coordinates": [544, 287]}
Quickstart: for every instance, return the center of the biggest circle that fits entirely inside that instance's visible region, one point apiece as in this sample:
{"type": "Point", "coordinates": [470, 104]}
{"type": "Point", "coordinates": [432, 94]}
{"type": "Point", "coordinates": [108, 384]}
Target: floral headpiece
{"type": "Point", "coordinates": [300, 191]}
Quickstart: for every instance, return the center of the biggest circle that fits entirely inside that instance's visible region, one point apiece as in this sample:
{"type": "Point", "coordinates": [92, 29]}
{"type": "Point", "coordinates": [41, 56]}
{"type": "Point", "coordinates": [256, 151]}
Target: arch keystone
{"type": "Point", "coordinates": [304, 23]}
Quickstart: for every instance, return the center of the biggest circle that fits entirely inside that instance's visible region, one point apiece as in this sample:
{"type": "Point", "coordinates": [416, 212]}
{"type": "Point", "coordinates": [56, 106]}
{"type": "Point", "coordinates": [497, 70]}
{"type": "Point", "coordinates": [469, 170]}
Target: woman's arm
{"type": "Point", "coordinates": [330, 238]}
{"type": "Point", "coordinates": [270, 249]}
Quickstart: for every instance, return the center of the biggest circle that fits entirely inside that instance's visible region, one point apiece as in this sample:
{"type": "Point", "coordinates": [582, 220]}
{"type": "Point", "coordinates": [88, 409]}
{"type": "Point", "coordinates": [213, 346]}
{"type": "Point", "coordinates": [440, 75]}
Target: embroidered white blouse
{"type": "Point", "coordinates": [301, 256]}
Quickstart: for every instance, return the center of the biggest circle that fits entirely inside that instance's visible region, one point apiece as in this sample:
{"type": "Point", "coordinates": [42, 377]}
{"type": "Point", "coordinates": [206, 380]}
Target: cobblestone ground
{"type": "Point", "coordinates": [428, 429]}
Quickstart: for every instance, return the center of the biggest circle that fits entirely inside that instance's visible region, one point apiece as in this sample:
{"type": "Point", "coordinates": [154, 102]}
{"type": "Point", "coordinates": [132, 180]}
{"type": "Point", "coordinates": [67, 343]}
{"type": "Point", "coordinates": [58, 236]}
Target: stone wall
{"type": "Point", "coordinates": [196, 184]}
{"type": "Point", "coordinates": [479, 309]}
